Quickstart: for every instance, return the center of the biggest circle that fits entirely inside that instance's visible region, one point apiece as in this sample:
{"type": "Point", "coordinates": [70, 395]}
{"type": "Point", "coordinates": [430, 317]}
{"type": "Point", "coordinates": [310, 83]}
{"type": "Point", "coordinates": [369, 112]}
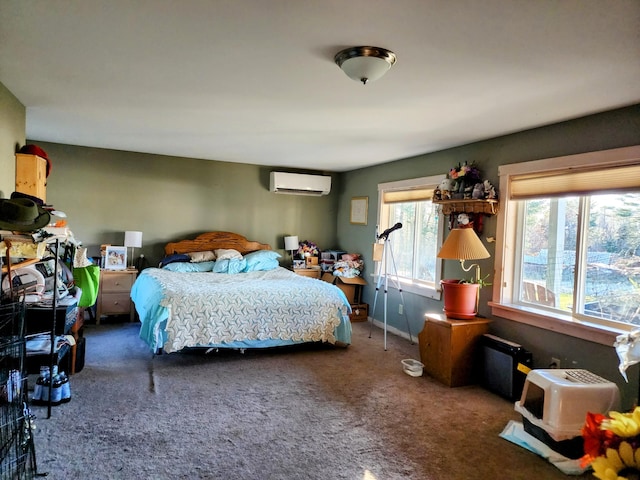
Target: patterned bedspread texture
{"type": "Point", "coordinates": [212, 308]}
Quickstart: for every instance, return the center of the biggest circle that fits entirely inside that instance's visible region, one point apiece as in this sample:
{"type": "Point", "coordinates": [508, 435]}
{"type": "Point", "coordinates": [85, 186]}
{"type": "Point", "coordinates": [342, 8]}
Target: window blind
{"type": "Point", "coordinates": [575, 181]}
{"type": "Point", "coordinates": [410, 195]}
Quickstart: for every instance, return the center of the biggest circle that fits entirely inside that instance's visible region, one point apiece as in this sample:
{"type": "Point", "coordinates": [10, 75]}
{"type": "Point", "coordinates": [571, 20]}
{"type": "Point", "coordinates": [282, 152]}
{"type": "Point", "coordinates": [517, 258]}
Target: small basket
{"type": "Point", "coordinates": [412, 367]}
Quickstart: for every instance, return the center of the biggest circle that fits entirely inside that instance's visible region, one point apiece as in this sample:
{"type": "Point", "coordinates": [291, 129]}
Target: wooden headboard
{"type": "Point", "coordinates": [213, 241]}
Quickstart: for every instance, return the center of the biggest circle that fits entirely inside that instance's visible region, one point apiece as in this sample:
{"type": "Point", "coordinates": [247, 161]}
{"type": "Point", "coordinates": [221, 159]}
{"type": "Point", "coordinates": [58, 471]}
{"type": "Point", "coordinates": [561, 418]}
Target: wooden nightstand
{"type": "Point", "coordinates": [308, 272]}
{"type": "Point", "coordinates": [449, 348]}
{"type": "Point", "coordinates": [114, 295]}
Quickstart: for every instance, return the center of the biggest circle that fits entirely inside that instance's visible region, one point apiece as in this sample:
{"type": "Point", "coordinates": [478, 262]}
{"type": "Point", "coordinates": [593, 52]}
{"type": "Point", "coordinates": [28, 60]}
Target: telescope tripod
{"type": "Point", "coordinates": [387, 254]}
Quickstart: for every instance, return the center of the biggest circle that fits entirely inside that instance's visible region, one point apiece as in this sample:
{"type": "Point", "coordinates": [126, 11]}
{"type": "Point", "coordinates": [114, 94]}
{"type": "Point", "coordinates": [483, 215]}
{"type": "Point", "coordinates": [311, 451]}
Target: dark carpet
{"type": "Point", "coordinates": [310, 412]}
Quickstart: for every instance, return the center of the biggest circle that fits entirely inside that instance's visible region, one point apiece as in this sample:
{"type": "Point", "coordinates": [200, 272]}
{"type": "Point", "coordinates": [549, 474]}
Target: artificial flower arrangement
{"type": "Point", "coordinates": [465, 182]}
{"type": "Point", "coordinates": [465, 174]}
{"type": "Point", "coordinates": [612, 445]}
{"type": "Point", "coordinates": [308, 249]}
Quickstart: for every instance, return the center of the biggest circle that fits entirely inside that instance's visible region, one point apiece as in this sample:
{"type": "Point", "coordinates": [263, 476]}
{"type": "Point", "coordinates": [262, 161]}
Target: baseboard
{"type": "Point", "coordinates": [392, 330]}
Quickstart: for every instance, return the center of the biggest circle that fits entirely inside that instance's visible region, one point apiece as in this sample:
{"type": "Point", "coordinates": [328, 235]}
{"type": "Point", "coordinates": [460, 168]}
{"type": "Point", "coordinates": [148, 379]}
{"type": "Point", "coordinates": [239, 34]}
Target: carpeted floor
{"type": "Point", "coordinates": [308, 412]}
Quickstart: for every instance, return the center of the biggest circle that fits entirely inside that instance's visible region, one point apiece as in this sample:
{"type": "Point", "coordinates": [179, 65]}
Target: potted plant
{"type": "Point", "coordinates": [461, 297]}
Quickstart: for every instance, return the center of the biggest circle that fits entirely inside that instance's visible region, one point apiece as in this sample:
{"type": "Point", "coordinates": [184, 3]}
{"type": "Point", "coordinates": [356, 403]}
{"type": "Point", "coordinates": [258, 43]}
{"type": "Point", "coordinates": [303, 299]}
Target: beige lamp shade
{"type": "Point", "coordinates": [132, 239]}
{"type": "Point", "coordinates": [463, 244]}
{"type": "Point", "coordinates": [291, 243]}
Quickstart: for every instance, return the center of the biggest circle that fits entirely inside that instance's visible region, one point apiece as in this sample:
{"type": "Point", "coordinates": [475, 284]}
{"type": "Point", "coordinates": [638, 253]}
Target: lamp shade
{"type": "Point", "coordinates": [133, 239]}
{"type": "Point", "coordinates": [463, 244]}
{"type": "Point", "coordinates": [291, 243]}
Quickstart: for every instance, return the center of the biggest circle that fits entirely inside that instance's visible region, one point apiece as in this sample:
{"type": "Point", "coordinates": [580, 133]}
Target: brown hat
{"type": "Point", "coordinates": [22, 215]}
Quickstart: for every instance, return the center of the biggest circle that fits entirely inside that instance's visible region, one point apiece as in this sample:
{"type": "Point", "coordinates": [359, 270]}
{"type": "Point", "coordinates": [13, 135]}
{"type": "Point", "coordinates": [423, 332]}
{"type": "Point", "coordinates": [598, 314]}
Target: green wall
{"type": "Point", "coordinates": [12, 137]}
{"type": "Point", "coordinates": [106, 192]}
{"type": "Point", "coordinates": [612, 129]}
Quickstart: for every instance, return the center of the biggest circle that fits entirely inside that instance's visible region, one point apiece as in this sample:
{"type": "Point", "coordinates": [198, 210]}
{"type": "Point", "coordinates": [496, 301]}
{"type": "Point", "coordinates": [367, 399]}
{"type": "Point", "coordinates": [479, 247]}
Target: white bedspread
{"type": "Point", "coordinates": [212, 308]}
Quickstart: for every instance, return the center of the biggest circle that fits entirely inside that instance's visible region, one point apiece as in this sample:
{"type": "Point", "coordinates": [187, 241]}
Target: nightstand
{"type": "Point", "coordinates": [449, 348]}
{"type": "Point", "coordinates": [114, 296]}
{"type": "Point", "coordinates": [308, 272]}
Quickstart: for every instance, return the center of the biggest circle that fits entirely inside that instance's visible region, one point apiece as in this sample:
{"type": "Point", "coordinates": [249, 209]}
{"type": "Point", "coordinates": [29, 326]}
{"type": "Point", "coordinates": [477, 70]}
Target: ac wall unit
{"type": "Point", "coordinates": [300, 183]}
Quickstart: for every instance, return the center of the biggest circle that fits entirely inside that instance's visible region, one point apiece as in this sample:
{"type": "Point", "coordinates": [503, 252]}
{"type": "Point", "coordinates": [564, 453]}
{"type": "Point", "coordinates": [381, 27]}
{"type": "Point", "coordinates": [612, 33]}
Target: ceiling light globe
{"type": "Point", "coordinates": [365, 64]}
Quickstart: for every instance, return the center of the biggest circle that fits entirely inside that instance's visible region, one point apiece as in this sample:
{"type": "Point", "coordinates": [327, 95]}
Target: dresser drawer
{"type": "Point", "coordinates": [308, 272]}
{"type": "Point", "coordinates": [117, 282]}
{"type": "Point", "coordinates": [115, 303]}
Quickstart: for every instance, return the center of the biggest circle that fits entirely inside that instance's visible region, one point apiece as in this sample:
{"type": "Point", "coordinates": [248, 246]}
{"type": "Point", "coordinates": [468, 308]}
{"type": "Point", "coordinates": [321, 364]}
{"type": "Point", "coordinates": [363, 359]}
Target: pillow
{"type": "Point", "coordinates": [189, 267]}
{"type": "Point", "coordinates": [229, 265]}
{"type": "Point", "coordinates": [205, 256]}
{"type": "Point", "coordinates": [227, 253]}
{"type": "Point", "coordinates": [262, 260]}
{"type": "Point", "coordinates": [176, 257]}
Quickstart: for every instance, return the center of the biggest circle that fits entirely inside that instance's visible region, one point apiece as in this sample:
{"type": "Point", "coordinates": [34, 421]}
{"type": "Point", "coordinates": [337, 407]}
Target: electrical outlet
{"type": "Point", "coordinates": [400, 309]}
{"type": "Point", "coordinates": [555, 362]}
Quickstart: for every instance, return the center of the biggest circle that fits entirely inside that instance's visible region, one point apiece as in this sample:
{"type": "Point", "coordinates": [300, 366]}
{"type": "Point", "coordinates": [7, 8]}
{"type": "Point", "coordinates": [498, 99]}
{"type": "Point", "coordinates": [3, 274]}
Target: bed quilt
{"type": "Point", "coordinates": [254, 309]}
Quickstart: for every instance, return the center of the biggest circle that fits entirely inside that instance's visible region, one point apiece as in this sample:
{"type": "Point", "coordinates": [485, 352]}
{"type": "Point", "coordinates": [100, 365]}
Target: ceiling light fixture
{"type": "Point", "coordinates": [365, 64]}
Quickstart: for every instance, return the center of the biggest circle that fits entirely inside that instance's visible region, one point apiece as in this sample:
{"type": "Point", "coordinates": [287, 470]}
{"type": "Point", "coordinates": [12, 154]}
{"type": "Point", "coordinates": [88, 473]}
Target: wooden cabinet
{"type": "Point", "coordinates": [308, 272]}
{"type": "Point", "coordinates": [31, 175]}
{"type": "Point", "coordinates": [449, 348]}
{"type": "Point", "coordinates": [114, 293]}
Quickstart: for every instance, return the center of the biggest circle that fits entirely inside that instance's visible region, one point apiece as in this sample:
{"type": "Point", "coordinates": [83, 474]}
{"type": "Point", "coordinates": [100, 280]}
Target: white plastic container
{"type": "Point", "coordinates": [412, 367]}
{"type": "Point", "coordinates": [557, 400]}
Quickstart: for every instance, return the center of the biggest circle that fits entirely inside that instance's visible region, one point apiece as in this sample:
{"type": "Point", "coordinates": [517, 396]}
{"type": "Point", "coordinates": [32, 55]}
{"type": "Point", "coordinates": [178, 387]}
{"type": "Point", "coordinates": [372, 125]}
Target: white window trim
{"type": "Point", "coordinates": [415, 288]}
{"type": "Point", "coordinates": [502, 304]}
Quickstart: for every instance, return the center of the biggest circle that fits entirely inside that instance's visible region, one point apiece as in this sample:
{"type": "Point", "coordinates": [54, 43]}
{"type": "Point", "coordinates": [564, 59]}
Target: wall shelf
{"type": "Point", "coordinates": [488, 207]}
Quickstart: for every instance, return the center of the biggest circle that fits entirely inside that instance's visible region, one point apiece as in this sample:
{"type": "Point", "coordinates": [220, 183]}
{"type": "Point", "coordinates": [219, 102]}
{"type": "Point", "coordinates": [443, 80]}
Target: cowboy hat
{"type": "Point", "coordinates": [22, 215]}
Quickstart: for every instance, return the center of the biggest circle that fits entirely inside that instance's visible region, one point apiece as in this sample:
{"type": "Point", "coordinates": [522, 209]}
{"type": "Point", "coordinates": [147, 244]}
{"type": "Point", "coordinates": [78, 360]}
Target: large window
{"type": "Point", "coordinates": [569, 243]}
{"type": "Point", "coordinates": [412, 249]}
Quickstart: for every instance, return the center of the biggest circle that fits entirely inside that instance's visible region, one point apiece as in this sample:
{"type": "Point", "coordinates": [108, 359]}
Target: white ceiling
{"type": "Point", "coordinates": [254, 81]}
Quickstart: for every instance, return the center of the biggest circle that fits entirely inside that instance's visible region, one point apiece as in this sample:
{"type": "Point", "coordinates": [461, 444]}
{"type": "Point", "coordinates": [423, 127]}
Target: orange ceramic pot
{"type": "Point", "coordinates": [460, 299]}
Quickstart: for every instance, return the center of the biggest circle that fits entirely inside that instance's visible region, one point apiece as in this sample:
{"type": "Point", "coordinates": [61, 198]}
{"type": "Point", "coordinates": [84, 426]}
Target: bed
{"type": "Point", "coordinates": [240, 299]}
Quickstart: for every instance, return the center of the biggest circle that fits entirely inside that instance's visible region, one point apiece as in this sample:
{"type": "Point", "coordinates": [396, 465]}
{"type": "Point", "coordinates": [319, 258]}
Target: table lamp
{"type": "Point", "coordinates": [132, 240]}
{"type": "Point", "coordinates": [291, 244]}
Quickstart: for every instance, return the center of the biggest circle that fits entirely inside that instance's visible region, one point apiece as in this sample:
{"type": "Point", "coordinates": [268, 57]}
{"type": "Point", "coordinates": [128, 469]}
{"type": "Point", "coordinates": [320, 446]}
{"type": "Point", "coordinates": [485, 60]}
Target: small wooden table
{"type": "Point", "coordinates": [449, 348]}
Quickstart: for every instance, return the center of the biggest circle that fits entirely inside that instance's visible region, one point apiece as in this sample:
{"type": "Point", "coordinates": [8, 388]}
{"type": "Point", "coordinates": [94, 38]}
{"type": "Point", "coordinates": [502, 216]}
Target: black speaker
{"type": "Point", "coordinates": [500, 366]}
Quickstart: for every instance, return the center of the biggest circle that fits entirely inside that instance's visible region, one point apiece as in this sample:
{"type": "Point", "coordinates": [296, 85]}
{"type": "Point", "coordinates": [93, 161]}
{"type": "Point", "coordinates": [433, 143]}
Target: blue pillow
{"type": "Point", "coordinates": [233, 265]}
{"type": "Point", "coordinates": [262, 260]}
{"type": "Point", "coordinates": [188, 267]}
{"type": "Point", "coordinates": [176, 257]}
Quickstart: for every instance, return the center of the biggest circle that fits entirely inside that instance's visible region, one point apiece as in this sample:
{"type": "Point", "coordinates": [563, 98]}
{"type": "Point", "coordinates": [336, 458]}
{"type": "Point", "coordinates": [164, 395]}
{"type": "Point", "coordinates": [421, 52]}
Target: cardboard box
{"type": "Point", "coordinates": [351, 286]}
{"type": "Point", "coordinates": [359, 312]}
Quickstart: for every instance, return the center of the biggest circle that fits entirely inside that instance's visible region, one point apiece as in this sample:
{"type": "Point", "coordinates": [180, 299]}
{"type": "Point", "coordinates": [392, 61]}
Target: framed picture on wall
{"type": "Point", "coordinates": [359, 208]}
{"type": "Point", "coordinates": [115, 258]}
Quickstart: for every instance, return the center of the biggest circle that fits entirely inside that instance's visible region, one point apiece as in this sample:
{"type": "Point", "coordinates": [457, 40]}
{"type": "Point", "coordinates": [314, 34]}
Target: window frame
{"type": "Point", "coordinates": [503, 304]}
{"type": "Point", "coordinates": [411, 286]}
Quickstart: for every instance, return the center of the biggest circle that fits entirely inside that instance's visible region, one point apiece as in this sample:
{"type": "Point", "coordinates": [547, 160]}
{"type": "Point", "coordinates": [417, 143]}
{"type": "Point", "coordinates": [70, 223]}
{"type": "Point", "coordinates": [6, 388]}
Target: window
{"type": "Point", "coordinates": [412, 249]}
{"type": "Point", "coordinates": [568, 251]}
